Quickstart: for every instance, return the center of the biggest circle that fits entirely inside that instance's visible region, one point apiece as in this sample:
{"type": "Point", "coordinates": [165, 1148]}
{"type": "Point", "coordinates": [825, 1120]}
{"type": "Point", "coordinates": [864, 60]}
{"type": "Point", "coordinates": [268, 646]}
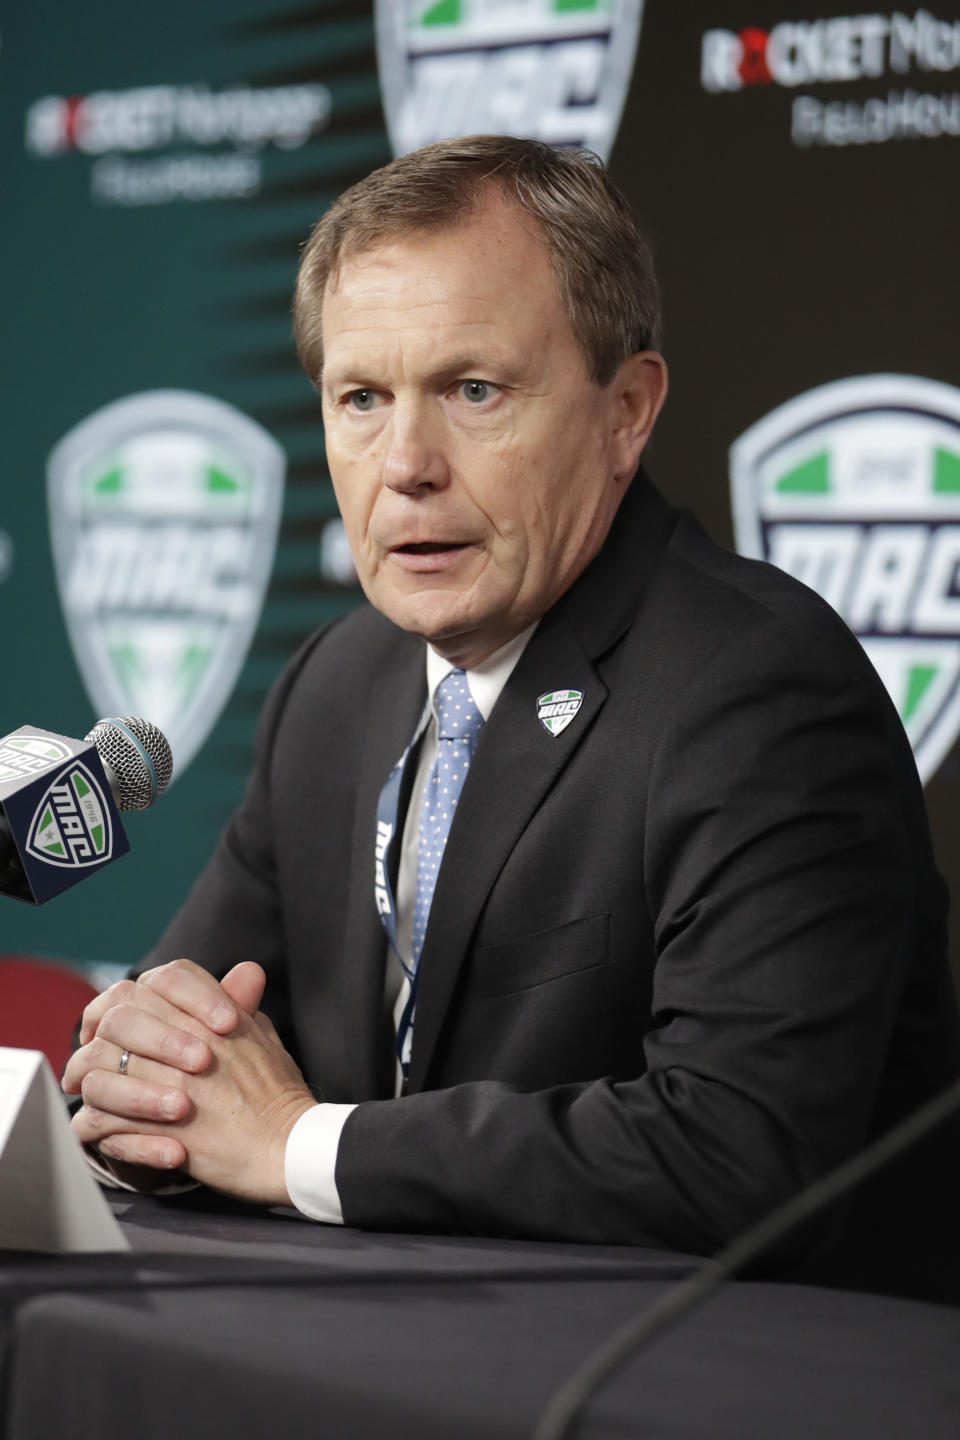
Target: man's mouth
{"type": "Point", "coordinates": [429, 547]}
{"type": "Point", "coordinates": [430, 557]}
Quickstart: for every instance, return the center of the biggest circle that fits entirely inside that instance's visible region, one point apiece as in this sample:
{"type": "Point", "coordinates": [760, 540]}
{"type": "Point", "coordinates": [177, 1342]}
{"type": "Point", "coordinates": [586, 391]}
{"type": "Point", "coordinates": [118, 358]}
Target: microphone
{"type": "Point", "coordinates": [60, 800]}
{"type": "Point", "coordinates": [136, 759]}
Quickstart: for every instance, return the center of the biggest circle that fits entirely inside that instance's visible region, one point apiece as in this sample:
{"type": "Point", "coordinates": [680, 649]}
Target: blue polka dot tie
{"type": "Point", "coordinates": [458, 730]}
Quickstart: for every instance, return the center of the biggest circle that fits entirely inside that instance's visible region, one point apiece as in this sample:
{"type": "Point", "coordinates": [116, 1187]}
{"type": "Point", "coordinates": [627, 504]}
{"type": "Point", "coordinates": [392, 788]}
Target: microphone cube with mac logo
{"type": "Point", "coordinates": [59, 811]}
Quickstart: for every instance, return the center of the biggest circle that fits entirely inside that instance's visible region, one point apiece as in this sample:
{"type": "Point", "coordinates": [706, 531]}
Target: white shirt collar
{"type": "Point", "coordinates": [487, 679]}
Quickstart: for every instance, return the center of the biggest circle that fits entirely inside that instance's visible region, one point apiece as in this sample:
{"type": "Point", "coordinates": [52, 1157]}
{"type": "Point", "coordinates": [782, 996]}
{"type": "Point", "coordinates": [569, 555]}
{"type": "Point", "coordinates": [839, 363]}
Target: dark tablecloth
{"type": "Point", "coordinates": [230, 1322]}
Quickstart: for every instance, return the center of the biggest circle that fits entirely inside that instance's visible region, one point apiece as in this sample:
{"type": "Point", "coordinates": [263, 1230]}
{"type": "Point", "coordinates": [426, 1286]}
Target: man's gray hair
{"type": "Point", "coordinates": [599, 254]}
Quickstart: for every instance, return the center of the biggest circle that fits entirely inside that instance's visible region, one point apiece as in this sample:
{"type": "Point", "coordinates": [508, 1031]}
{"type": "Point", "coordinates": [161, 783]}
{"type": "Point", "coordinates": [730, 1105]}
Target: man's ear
{"type": "Point", "coordinates": [638, 389]}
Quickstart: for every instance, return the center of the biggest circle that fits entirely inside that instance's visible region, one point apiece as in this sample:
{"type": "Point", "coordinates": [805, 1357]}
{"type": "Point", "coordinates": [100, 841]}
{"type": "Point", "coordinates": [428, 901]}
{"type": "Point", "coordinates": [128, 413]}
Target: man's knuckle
{"type": "Point", "coordinates": [147, 1106]}
{"type": "Point", "coordinates": [171, 1047]}
{"type": "Point", "coordinates": [94, 1120]}
{"type": "Point", "coordinates": [115, 1019]}
{"type": "Point", "coordinates": [97, 1052]}
{"type": "Point", "coordinates": [91, 1012]}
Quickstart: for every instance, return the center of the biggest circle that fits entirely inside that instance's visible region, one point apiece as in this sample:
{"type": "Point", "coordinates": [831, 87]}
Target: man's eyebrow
{"type": "Point", "coordinates": [337, 375]}
{"type": "Point", "coordinates": [466, 365]}
{"type": "Point", "coordinates": [470, 363]}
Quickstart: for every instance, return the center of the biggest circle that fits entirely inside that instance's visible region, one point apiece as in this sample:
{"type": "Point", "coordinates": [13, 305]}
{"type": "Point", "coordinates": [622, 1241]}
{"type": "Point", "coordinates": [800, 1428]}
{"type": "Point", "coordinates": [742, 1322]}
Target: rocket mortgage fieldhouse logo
{"type": "Point", "coordinates": [210, 142]}
{"type": "Point", "coordinates": [912, 53]}
{"type": "Point", "coordinates": [854, 488]}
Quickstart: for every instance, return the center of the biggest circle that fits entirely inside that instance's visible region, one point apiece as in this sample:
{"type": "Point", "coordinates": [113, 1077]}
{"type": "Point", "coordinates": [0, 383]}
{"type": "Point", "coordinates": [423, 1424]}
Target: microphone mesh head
{"type": "Point", "coordinates": [139, 756]}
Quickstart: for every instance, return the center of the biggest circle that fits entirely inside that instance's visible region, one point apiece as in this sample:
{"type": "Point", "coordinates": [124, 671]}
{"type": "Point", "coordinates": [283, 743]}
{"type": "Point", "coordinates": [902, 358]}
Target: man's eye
{"type": "Point", "coordinates": [476, 391]}
{"type": "Point", "coordinates": [362, 399]}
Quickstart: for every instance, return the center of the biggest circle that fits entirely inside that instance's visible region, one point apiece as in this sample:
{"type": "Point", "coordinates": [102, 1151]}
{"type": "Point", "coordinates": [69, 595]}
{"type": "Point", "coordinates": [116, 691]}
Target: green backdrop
{"type": "Point", "coordinates": [797, 175]}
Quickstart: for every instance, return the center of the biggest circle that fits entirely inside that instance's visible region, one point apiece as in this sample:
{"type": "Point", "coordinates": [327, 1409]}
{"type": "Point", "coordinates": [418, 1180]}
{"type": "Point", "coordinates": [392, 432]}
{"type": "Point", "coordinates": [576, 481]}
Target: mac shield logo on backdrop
{"type": "Point", "coordinates": [854, 488]}
{"type": "Point", "coordinates": [164, 510]}
{"type": "Point", "coordinates": [547, 69]}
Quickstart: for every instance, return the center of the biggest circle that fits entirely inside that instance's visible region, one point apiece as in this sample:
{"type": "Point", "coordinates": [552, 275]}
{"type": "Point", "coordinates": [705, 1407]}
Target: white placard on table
{"type": "Point", "coordinates": [48, 1198]}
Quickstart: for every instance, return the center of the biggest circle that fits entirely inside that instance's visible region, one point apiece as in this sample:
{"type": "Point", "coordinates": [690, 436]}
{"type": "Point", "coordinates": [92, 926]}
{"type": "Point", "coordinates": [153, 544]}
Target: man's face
{"type": "Point", "coordinates": [476, 466]}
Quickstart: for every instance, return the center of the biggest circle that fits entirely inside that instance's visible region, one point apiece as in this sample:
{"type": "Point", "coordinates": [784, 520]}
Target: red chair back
{"type": "Point", "coordinates": [40, 1004]}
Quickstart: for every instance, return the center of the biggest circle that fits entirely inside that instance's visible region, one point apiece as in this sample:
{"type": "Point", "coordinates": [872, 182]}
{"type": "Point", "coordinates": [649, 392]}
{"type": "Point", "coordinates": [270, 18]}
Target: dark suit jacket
{"type": "Point", "coordinates": [682, 958]}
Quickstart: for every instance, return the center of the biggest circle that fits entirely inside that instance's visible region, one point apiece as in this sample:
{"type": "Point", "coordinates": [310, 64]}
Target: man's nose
{"type": "Point", "coordinates": [414, 458]}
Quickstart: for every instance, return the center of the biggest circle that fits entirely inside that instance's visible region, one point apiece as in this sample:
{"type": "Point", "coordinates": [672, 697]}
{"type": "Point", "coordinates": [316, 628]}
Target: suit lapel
{"type": "Point", "coordinates": [393, 707]}
{"type": "Point", "coordinates": [517, 760]}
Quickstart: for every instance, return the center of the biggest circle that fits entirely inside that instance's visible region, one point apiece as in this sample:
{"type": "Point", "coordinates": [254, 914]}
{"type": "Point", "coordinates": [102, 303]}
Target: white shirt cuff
{"type": "Point", "coordinates": [311, 1159]}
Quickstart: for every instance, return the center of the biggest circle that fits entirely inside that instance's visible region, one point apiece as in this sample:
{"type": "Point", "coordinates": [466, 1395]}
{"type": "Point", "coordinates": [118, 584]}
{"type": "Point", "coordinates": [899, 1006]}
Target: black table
{"type": "Point", "coordinates": [227, 1321]}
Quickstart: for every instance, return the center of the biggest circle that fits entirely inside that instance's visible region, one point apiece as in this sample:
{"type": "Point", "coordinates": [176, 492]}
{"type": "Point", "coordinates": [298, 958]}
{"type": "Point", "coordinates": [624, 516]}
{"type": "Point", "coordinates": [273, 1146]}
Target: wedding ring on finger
{"type": "Point", "coordinates": [124, 1062]}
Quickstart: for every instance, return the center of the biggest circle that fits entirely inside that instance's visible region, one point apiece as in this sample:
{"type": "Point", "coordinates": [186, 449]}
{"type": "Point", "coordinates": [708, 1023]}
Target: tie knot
{"type": "Point", "coordinates": [457, 715]}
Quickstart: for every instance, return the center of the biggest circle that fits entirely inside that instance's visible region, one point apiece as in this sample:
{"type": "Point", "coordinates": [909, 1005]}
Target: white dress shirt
{"type": "Point", "coordinates": [311, 1154]}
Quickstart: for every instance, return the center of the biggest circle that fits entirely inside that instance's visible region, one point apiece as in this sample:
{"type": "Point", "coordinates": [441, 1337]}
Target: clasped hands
{"type": "Point", "coordinates": [208, 1085]}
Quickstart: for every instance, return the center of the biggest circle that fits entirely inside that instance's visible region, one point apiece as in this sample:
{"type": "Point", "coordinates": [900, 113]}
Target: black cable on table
{"type": "Point", "coordinates": [560, 1415]}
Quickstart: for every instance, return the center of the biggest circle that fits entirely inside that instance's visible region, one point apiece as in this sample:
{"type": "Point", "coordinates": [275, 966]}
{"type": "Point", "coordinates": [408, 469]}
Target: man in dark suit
{"type": "Point", "coordinates": [685, 950]}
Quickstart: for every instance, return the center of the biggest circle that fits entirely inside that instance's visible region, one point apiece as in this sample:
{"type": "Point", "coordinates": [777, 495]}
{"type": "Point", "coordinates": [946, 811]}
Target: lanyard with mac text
{"type": "Point", "coordinates": [386, 836]}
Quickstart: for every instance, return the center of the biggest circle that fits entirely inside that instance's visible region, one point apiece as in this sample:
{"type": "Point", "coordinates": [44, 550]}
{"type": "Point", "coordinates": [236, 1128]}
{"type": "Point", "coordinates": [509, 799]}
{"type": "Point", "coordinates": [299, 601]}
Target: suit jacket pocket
{"type": "Point", "coordinates": [546, 955]}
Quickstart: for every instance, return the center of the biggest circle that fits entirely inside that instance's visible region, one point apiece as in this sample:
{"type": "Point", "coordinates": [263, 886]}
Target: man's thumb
{"type": "Point", "coordinates": [245, 985]}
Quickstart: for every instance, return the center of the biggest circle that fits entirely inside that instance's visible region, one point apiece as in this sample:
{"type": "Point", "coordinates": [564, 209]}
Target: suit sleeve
{"type": "Point", "coordinates": [783, 825]}
{"type": "Point", "coordinates": [233, 911]}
